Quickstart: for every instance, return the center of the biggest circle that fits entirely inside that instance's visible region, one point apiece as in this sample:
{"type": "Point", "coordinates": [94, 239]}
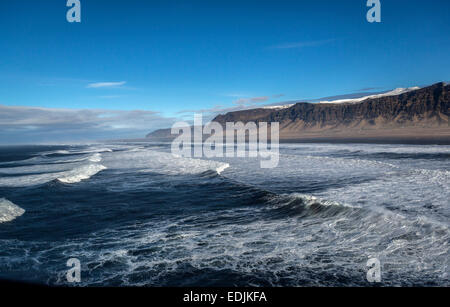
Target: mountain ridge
{"type": "Point", "coordinates": [414, 114]}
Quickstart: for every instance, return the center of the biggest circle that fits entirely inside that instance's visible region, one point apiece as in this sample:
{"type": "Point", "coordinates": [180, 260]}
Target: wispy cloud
{"type": "Point", "coordinates": [248, 101]}
{"type": "Point", "coordinates": [217, 108]}
{"type": "Point", "coordinates": [368, 89]}
{"type": "Point", "coordinates": [303, 44]}
{"type": "Point", "coordinates": [110, 96]}
{"type": "Point", "coordinates": [241, 103]}
{"type": "Point", "coordinates": [235, 95]}
{"type": "Point", "coordinates": [209, 113]}
{"type": "Point", "coordinates": [106, 84]}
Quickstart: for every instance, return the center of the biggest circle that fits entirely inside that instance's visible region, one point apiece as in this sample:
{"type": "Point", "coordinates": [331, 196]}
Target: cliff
{"type": "Point", "coordinates": [415, 115]}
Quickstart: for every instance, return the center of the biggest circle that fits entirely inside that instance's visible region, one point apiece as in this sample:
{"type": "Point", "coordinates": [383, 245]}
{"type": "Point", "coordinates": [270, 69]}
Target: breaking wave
{"type": "Point", "coordinates": [82, 173]}
{"type": "Point", "coordinates": [39, 175]}
{"type": "Point", "coordinates": [302, 205]}
{"type": "Point", "coordinates": [221, 168]}
{"type": "Point", "coordinates": [97, 157]}
{"type": "Point", "coordinates": [9, 211]}
{"type": "Point", "coordinates": [147, 160]}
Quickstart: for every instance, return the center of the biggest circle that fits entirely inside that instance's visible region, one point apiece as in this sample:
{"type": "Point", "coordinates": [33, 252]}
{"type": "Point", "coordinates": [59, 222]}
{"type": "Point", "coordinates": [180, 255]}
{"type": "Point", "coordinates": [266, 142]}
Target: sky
{"type": "Point", "coordinates": [131, 66]}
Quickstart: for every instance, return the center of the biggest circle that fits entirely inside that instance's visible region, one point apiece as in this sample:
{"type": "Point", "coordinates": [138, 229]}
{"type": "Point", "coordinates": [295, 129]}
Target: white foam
{"type": "Point", "coordinates": [147, 160]}
{"type": "Point", "coordinates": [95, 157]}
{"type": "Point", "coordinates": [47, 169]}
{"type": "Point", "coordinates": [82, 173]}
{"type": "Point", "coordinates": [9, 211]}
{"type": "Point", "coordinates": [78, 152]}
{"type": "Point", "coordinates": [58, 152]}
{"type": "Point", "coordinates": [369, 148]}
{"type": "Point", "coordinates": [98, 150]}
{"type": "Point", "coordinates": [311, 200]}
{"type": "Point", "coordinates": [140, 159]}
{"type": "Point", "coordinates": [221, 168]}
{"type": "Point", "coordinates": [75, 175]}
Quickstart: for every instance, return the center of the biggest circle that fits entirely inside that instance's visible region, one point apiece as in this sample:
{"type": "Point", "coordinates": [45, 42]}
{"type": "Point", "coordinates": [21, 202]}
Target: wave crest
{"type": "Point", "coordinates": [82, 173]}
{"type": "Point", "coordinates": [9, 211]}
{"type": "Point", "coordinates": [302, 205]}
{"type": "Point", "coordinates": [221, 168]}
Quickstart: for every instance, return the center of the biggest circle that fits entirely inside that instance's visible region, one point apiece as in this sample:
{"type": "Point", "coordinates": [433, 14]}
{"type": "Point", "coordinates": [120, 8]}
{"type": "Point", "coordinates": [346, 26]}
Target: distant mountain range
{"type": "Point", "coordinates": [404, 115]}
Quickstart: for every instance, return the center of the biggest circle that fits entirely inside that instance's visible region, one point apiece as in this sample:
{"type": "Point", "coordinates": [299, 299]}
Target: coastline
{"type": "Point", "coordinates": [409, 140]}
{"type": "Point", "coordinates": [373, 140]}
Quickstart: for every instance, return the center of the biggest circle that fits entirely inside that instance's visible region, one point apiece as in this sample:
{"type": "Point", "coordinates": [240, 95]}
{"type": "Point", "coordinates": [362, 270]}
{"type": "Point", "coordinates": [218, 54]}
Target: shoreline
{"type": "Point", "coordinates": [381, 140]}
{"type": "Point", "coordinates": [419, 140]}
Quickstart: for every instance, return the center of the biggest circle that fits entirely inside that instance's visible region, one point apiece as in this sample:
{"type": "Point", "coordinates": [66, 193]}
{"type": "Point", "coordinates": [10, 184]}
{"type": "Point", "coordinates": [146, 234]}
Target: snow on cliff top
{"type": "Point", "coordinates": [397, 91]}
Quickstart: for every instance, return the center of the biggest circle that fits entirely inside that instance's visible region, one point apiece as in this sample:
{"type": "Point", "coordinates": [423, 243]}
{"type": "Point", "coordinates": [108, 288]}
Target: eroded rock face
{"type": "Point", "coordinates": [429, 104]}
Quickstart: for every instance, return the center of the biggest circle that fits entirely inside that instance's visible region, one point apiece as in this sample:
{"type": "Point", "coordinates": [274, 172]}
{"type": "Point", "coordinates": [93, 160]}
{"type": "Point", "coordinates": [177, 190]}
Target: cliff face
{"type": "Point", "coordinates": [422, 113]}
{"type": "Point", "coordinates": [429, 105]}
{"type": "Point", "coordinates": [417, 112]}
{"type": "Point", "coordinates": [244, 116]}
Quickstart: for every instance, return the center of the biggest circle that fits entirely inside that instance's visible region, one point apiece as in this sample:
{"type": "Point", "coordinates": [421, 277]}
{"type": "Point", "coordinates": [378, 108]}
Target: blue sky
{"type": "Point", "coordinates": [164, 57]}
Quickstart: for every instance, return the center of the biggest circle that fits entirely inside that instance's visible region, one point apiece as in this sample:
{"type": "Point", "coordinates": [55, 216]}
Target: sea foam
{"type": "Point", "coordinates": [9, 211]}
{"type": "Point", "coordinates": [222, 167]}
{"type": "Point", "coordinates": [82, 173]}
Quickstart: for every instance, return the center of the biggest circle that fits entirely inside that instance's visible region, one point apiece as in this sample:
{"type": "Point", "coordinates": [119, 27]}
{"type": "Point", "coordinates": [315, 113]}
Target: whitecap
{"type": "Point", "coordinates": [9, 211]}
{"type": "Point", "coordinates": [95, 157]}
{"type": "Point", "coordinates": [161, 162]}
{"type": "Point", "coordinates": [221, 168]}
{"type": "Point", "coordinates": [81, 173]}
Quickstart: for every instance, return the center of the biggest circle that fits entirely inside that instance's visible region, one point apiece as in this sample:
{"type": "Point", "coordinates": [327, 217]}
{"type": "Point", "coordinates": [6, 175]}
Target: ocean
{"type": "Point", "coordinates": [135, 215]}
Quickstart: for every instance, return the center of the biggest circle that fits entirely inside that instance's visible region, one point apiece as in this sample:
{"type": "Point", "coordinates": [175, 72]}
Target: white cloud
{"type": "Point", "coordinates": [250, 101]}
{"type": "Point", "coordinates": [37, 125]}
{"type": "Point", "coordinates": [106, 84]}
{"type": "Point", "coordinates": [110, 96]}
{"type": "Point", "coordinates": [298, 45]}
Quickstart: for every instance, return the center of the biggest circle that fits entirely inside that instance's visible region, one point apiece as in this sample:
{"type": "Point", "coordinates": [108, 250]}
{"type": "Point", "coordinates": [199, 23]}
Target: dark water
{"type": "Point", "coordinates": [135, 215]}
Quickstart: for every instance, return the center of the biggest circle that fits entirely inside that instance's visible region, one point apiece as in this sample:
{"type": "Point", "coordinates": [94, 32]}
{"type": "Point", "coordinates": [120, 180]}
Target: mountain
{"type": "Point", "coordinates": [410, 115]}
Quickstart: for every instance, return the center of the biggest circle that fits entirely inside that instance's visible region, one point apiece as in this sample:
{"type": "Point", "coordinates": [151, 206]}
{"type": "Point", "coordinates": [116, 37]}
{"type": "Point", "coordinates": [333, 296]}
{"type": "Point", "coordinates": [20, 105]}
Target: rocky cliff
{"type": "Point", "coordinates": [418, 114]}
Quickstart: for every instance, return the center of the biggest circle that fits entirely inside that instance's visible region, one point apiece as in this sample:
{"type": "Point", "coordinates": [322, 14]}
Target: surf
{"type": "Point", "coordinates": [9, 211]}
{"type": "Point", "coordinates": [81, 173]}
